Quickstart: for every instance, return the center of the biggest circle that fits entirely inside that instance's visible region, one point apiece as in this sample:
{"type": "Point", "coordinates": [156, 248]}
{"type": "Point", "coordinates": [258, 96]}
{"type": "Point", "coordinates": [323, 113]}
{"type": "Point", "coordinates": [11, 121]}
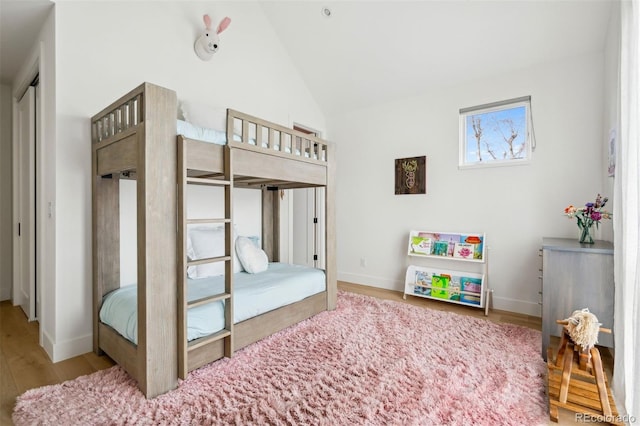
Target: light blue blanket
{"type": "Point", "coordinates": [254, 294]}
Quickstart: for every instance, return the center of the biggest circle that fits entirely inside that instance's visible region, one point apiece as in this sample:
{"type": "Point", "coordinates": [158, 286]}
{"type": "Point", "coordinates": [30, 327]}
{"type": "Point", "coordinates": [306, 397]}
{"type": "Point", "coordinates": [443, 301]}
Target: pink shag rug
{"type": "Point", "coordinates": [371, 361]}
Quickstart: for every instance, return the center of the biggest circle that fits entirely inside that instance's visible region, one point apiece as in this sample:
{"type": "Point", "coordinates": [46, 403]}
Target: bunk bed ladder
{"type": "Point", "coordinates": [184, 346]}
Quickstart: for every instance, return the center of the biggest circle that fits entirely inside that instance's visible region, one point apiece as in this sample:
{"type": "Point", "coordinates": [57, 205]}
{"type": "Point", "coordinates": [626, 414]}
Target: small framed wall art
{"type": "Point", "coordinates": [411, 175]}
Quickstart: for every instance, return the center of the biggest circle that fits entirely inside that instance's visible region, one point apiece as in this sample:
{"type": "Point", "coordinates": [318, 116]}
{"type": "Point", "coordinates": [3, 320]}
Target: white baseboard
{"type": "Point", "coordinates": [47, 344]}
{"type": "Point", "coordinates": [371, 281]}
{"type": "Point", "coordinates": [501, 303]}
{"type": "Point", "coordinates": [515, 305]}
{"type": "Point", "coordinates": [67, 349]}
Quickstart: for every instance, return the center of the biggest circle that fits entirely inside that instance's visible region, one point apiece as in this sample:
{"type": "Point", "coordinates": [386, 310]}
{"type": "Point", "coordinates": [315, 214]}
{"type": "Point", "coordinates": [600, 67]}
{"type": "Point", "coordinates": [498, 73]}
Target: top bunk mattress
{"type": "Point", "coordinates": [254, 294]}
{"type": "Point", "coordinates": [205, 134]}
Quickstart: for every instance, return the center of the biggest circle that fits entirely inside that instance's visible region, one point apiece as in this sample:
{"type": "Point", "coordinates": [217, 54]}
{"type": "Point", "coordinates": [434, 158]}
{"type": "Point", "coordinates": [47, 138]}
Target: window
{"type": "Point", "coordinates": [496, 134]}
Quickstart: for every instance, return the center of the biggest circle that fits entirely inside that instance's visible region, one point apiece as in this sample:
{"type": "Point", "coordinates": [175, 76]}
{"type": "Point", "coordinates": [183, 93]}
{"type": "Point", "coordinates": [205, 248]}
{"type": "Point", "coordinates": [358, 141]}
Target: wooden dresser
{"type": "Point", "coordinates": [576, 276]}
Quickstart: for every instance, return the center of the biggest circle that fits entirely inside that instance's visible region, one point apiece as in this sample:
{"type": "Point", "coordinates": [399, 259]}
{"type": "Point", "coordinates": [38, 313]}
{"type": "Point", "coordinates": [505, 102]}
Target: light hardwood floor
{"type": "Point", "coordinates": [25, 365]}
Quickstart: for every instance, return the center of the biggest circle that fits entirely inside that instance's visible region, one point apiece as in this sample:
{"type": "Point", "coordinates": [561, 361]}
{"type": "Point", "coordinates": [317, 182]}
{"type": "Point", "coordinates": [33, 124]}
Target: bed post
{"type": "Point", "coordinates": [157, 261]}
{"type": "Point", "coordinates": [271, 223]}
{"type": "Point", "coordinates": [330, 228]}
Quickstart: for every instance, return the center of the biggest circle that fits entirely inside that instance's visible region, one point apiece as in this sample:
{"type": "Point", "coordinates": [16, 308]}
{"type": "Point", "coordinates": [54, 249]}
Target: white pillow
{"type": "Point", "coordinates": [208, 242]}
{"type": "Point", "coordinates": [205, 115]}
{"type": "Point", "coordinates": [253, 259]}
{"type": "Point", "coordinates": [254, 239]}
{"type": "Point", "coordinates": [210, 117]}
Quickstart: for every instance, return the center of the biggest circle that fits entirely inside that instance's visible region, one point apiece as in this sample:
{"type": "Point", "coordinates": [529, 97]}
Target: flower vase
{"type": "Point", "coordinates": [585, 235]}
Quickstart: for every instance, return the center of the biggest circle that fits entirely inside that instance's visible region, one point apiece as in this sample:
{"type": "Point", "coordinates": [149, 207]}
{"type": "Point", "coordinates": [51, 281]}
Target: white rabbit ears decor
{"type": "Point", "coordinates": [209, 42]}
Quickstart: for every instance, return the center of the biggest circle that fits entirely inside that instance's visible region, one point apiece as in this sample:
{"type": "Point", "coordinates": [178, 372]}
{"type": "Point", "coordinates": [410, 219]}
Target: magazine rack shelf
{"type": "Point", "coordinates": [462, 286]}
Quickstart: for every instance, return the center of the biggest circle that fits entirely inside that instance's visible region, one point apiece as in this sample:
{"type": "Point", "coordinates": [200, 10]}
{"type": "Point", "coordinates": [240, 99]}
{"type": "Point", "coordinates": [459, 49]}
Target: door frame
{"type": "Point", "coordinates": [33, 71]}
{"type": "Point", "coordinates": [24, 174]}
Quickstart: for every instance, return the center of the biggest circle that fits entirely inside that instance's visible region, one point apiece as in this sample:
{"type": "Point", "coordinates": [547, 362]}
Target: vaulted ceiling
{"type": "Point", "coordinates": [374, 51]}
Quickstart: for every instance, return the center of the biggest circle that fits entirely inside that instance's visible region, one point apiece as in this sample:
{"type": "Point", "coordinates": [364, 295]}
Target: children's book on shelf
{"type": "Point", "coordinates": [446, 293]}
{"type": "Point", "coordinates": [471, 299]}
{"type": "Point", "coordinates": [424, 291]}
{"type": "Point", "coordinates": [441, 281]}
{"type": "Point", "coordinates": [440, 248]}
{"type": "Point", "coordinates": [456, 286]}
{"type": "Point", "coordinates": [440, 293]}
{"type": "Point", "coordinates": [463, 246]}
{"type": "Point", "coordinates": [420, 244]}
{"type": "Point", "coordinates": [423, 278]}
{"type": "Point", "coordinates": [469, 284]}
{"type": "Point", "coordinates": [463, 250]}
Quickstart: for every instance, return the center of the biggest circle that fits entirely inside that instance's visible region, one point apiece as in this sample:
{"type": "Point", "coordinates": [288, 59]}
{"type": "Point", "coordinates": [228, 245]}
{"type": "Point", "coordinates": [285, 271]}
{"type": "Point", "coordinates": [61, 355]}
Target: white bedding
{"type": "Point", "coordinates": [204, 134]}
{"type": "Point", "coordinates": [254, 294]}
{"type": "Point", "coordinates": [218, 137]}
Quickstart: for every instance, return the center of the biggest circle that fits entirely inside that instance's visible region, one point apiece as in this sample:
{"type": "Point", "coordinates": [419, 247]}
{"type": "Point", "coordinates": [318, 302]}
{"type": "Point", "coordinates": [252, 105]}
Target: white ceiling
{"type": "Point", "coordinates": [372, 51]}
{"type": "Point", "coordinates": [20, 23]}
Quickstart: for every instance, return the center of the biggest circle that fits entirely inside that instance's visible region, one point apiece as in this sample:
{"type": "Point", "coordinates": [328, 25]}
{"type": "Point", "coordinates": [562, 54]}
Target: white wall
{"type": "Point", "coordinates": [6, 179]}
{"type": "Point", "coordinates": [515, 206]}
{"type": "Point", "coordinates": [611, 103]}
{"type": "Point", "coordinates": [42, 60]}
{"type": "Point", "coordinates": [105, 49]}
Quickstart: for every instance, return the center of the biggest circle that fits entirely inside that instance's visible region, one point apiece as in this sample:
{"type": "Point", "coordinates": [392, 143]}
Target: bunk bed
{"type": "Point", "coordinates": [136, 137]}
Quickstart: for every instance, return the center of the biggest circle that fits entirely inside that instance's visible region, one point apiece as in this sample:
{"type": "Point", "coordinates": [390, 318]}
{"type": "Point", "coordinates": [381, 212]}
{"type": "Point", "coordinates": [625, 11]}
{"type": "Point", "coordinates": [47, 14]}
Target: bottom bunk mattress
{"type": "Point", "coordinates": [254, 294]}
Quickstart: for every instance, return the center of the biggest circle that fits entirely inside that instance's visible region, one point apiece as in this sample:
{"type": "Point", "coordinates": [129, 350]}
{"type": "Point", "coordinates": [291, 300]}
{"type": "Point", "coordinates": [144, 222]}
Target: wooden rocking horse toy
{"type": "Point", "coordinates": [576, 379]}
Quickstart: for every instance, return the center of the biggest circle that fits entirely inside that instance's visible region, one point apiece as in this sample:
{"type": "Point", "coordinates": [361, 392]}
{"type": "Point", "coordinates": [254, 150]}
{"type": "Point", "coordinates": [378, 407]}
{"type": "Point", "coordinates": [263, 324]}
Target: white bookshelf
{"type": "Point", "coordinates": [458, 284]}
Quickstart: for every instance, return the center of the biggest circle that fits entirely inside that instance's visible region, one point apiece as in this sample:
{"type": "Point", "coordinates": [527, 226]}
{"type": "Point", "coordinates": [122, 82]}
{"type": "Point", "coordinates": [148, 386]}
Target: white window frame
{"type": "Point", "coordinates": [487, 161]}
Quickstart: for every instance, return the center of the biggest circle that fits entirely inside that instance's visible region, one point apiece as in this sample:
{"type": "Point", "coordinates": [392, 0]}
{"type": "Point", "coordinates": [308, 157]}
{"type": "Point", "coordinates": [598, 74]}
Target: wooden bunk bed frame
{"type": "Point", "coordinates": [135, 138]}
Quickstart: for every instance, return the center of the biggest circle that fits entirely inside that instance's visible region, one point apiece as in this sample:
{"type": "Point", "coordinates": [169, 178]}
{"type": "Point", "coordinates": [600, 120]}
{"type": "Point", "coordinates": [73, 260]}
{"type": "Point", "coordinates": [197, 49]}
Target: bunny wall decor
{"type": "Point", "coordinates": [207, 44]}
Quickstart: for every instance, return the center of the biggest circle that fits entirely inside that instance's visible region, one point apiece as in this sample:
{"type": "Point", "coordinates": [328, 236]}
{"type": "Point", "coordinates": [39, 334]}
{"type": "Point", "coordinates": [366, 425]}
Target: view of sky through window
{"type": "Point", "coordinates": [496, 135]}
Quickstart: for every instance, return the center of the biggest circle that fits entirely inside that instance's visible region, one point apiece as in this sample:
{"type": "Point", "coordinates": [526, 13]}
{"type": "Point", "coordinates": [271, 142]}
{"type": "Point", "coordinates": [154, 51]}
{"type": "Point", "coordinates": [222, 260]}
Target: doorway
{"type": "Point", "coordinates": [25, 291]}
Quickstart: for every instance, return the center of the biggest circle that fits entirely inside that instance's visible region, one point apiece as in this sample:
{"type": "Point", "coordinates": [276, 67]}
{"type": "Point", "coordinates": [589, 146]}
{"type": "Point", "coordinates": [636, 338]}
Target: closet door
{"type": "Point", "coordinates": [308, 227]}
{"type": "Point", "coordinates": [26, 270]}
